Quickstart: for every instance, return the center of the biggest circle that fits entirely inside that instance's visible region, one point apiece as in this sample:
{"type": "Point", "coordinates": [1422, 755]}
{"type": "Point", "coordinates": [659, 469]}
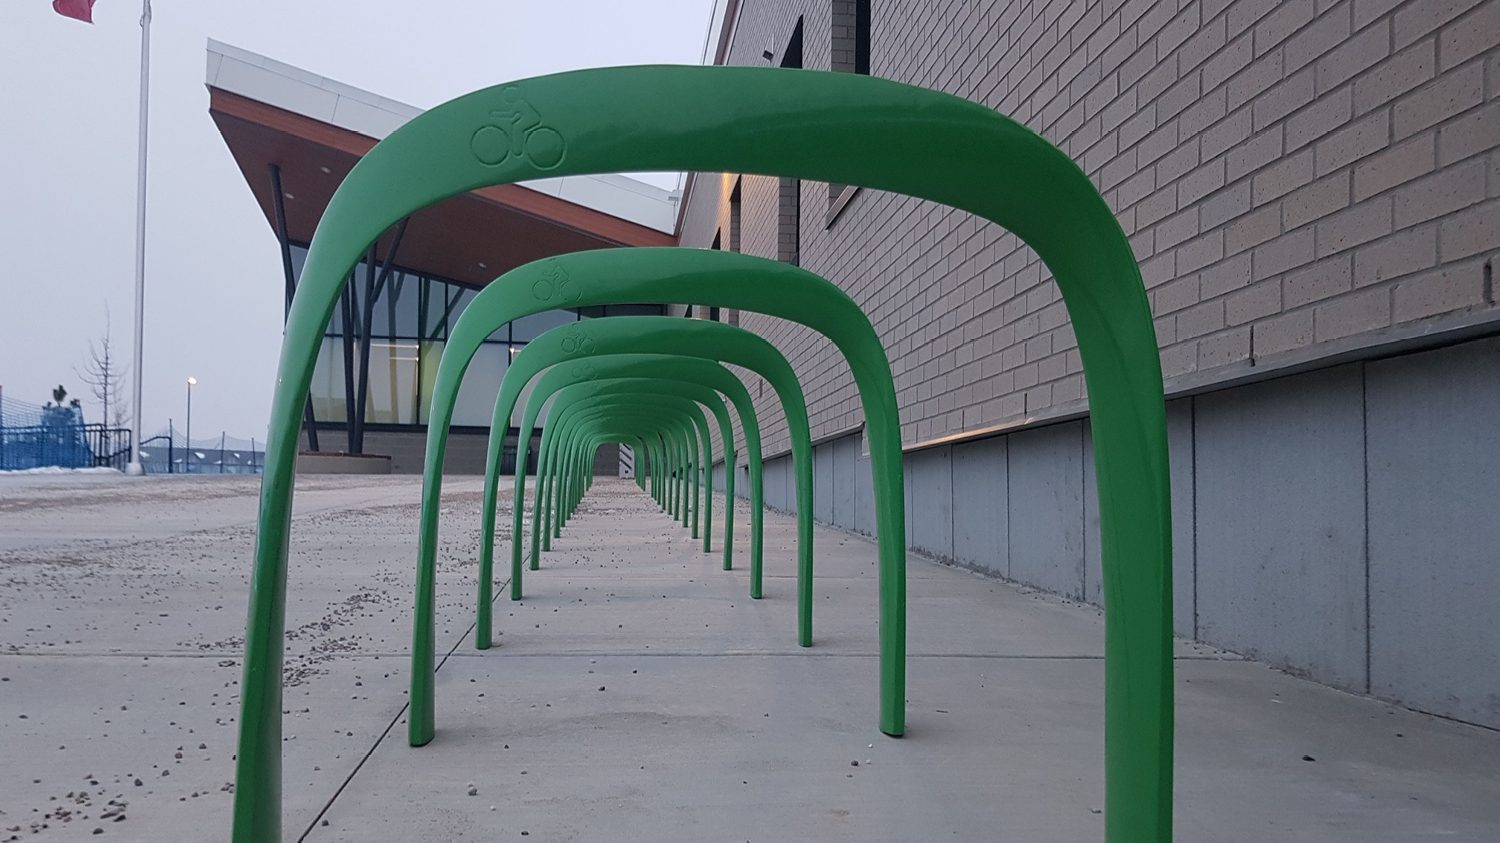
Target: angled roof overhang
{"type": "Point", "coordinates": [269, 115]}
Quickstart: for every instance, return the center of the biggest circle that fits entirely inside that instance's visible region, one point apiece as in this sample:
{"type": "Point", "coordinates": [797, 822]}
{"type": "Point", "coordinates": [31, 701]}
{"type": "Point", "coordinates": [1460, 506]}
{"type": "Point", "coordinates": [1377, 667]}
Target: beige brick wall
{"type": "Point", "coordinates": [1294, 177]}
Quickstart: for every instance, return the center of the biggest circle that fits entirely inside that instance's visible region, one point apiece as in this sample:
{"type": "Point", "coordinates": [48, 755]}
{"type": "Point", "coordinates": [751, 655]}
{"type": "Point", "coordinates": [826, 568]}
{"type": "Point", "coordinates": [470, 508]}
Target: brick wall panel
{"type": "Point", "coordinates": [1288, 173]}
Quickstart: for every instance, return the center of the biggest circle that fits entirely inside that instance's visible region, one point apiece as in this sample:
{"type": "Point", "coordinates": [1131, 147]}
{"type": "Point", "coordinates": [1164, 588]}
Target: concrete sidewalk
{"type": "Point", "coordinates": [638, 694]}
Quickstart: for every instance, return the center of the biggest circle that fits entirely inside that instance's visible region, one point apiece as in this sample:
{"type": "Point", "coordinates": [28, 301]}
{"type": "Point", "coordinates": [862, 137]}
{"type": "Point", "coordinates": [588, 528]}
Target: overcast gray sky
{"type": "Point", "coordinates": [214, 284]}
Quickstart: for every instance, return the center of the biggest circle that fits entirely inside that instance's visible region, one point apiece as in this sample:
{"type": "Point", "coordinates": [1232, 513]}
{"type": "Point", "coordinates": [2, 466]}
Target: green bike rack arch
{"type": "Point", "coordinates": [679, 447]}
{"type": "Point", "coordinates": [648, 387]}
{"type": "Point", "coordinates": [666, 393]}
{"type": "Point", "coordinates": [680, 437]}
{"type": "Point", "coordinates": [701, 372]}
{"type": "Point", "coordinates": [671, 448]}
{"type": "Point", "coordinates": [810, 125]}
{"type": "Point", "coordinates": [685, 378]}
{"type": "Point", "coordinates": [685, 505]}
{"type": "Point", "coordinates": [551, 513]}
{"type": "Point", "coordinates": [621, 430]}
{"type": "Point", "coordinates": [576, 345]}
{"type": "Point", "coordinates": [578, 433]}
{"type": "Point", "coordinates": [603, 395]}
{"type": "Point", "coordinates": [570, 344]}
{"type": "Point", "coordinates": [658, 439]}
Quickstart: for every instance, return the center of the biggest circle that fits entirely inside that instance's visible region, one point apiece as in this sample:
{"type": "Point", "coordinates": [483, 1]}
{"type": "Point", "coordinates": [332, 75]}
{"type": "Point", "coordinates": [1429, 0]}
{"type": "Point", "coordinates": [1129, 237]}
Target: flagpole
{"type": "Point", "coordinates": [140, 242]}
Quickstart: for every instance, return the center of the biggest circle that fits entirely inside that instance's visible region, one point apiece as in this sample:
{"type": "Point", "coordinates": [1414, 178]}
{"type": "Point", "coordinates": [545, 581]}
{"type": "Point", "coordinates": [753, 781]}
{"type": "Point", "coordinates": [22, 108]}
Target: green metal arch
{"type": "Point", "coordinates": [603, 394]}
{"type": "Point", "coordinates": [669, 392]}
{"type": "Point", "coordinates": [571, 471]}
{"type": "Point", "coordinates": [704, 377]}
{"type": "Point", "coordinates": [631, 374]}
{"type": "Point", "coordinates": [578, 344]}
{"type": "Point", "coordinates": [709, 341]}
{"type": "Point", "coordinates": [703, 372]}
{"type": "Point", "coordinates": [646, 435]}
{"type": "Point", "coordinates": [816, 126]}
{"type": "Point", "coordinates": [680, 454]}
{"type": "Point", "coordinates": [664, 275]}
{"type": "Point", "coordinates": [662, 387]}
{"type": "Point", "coordinates": [671, 449]}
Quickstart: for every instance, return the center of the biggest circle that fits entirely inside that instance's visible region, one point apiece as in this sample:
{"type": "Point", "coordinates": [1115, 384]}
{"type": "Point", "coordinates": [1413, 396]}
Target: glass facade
{"type": "Point", "coordinates": [408, 330]}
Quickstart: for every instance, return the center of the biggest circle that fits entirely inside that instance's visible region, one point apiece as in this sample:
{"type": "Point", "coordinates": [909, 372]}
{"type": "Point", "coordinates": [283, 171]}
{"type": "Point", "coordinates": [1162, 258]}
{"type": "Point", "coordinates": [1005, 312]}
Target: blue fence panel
{"type": "Point", "coordinates": [39, 437]}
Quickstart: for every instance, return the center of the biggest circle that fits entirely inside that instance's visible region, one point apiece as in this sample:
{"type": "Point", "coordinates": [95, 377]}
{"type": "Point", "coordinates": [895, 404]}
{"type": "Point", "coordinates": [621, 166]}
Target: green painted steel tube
{"type": "Point", "coordinates": [653, 275]}
{"type": "Point", "coordinates": [647, 332]}
{"type": "Point", "coordinates": [681, 368]}
{"type": "Point", "coordinates": [696, 392]}
{"type": "Point", "coordinates": [601, 393]}
{"type": "Point", "coordinates": [638, 275]}
{"type": "Point", "coordinates": [648, 440]}
{"type": "Point", "coordinates": [570, 465]}
{"type": "Point", "coordinates": [810, 125]}
{"type": "Point", "coordinates": [578, 348]}
{"type": "Point", "coordinates": [677, 444]}
{"type": "Point", "coordinates": [584, 424]}
{"type": "Point", "coordinates": [557, 347]}
{"type": "Point", "coordinates": [575, 478]}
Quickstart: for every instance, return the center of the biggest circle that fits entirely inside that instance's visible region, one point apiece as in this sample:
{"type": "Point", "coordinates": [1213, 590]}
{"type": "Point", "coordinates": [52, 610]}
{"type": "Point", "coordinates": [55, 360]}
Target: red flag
{"type": "Point", "coordinates": [80, 9]}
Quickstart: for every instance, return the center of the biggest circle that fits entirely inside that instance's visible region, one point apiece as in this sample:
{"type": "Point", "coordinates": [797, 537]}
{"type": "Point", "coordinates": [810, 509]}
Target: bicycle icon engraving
{"type": "Point", "coordinates": [556, 286]}
{"type": "Point", "coordinates": [577, 341]}
{"type": "Point", "coordinates": [516, 130]}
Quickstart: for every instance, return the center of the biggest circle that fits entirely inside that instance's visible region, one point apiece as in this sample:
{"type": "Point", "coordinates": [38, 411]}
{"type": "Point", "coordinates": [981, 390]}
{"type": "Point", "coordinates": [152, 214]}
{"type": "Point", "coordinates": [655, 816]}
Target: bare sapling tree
{"type": "Point", "coordinates": [103, 373]}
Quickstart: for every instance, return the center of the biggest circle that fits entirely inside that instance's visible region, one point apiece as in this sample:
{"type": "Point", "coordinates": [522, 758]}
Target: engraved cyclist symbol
{"type": "Point", "coordinates": [516, 129]}
{"type": "Point", "coordinates": [556, 286]}
{"type": "Point", "coordinates": [584, 371]}
{"type": "Point", "coordinates": [577, 342]}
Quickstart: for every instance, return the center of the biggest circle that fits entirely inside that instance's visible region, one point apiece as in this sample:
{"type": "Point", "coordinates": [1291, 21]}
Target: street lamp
{"type": "Point", "coordinates": [187, 459]}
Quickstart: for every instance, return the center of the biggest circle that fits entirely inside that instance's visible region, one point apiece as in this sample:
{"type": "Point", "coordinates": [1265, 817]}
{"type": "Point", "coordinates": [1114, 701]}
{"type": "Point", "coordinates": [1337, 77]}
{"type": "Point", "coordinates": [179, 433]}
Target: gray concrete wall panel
{"type": "Point", "coordinates": [823, 483]}
{"type": "Point", "coordinates": [774, 479]}
{"type": "Point", "coordinates": [1269, 500]}
{"type": "Point", "coordinates": [981, 515]}
{"type": "Point", "coordinates": [864, 493]}
{"type": "Point", "coordinates": [1434, 472]}
{"type": "Point", "coordinates": [1281, 523]}
{"type": "Point", "coordinates": [1046, 508]}
{"type": "Point", "coordinates": [932, 502]}
{"type": "Point", "coordinates": [845, 452]}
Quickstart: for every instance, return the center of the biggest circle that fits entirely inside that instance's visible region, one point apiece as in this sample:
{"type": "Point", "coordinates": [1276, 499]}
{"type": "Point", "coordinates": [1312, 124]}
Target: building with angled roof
{"type": "Point", "coordinates": [1313, 194]}
{"type": "Point", "coordinates": [294, 136]}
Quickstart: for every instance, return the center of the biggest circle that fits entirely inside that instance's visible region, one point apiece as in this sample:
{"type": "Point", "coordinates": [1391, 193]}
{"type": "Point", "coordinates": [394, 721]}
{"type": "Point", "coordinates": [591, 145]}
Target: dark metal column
{"type": "Point", "coordinates": [373, 288]}
{"type": "Point", "coordinates": [279, 204]}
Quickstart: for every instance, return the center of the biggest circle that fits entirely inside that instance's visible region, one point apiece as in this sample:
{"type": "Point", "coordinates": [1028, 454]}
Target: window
{"type": "Point", "coordinates": [528, 328]}
{"type": "Point", "coordinates": [476, 394]}
{"type": "Point", "coordinates": [395, 310]}
{"type": "Point", "coordinates": [411, 317]}
{"type": "Point", "coordinates": [734, 219]}
{"type": "Point", "coordinates": [862, 36]}
{"type": "Point", "coordinates": [789, 205]}
{"type": "Point", "coordinates": [849, 37]}
{"type": "Point", "coordinates": [731, 316]}
{"type": "Point", "coordinates": [433, 298]}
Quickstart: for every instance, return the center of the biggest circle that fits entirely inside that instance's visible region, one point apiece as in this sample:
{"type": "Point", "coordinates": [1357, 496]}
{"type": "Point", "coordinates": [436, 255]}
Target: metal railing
{"type": "Point", "coordinates": [64, 446]}
{"type": "Point", "coordinates": [165, 454]}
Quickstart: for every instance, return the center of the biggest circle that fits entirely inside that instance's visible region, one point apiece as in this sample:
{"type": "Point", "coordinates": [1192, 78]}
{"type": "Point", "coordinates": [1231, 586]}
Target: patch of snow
{"type": "Point", "coordinates": [57, 469]}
